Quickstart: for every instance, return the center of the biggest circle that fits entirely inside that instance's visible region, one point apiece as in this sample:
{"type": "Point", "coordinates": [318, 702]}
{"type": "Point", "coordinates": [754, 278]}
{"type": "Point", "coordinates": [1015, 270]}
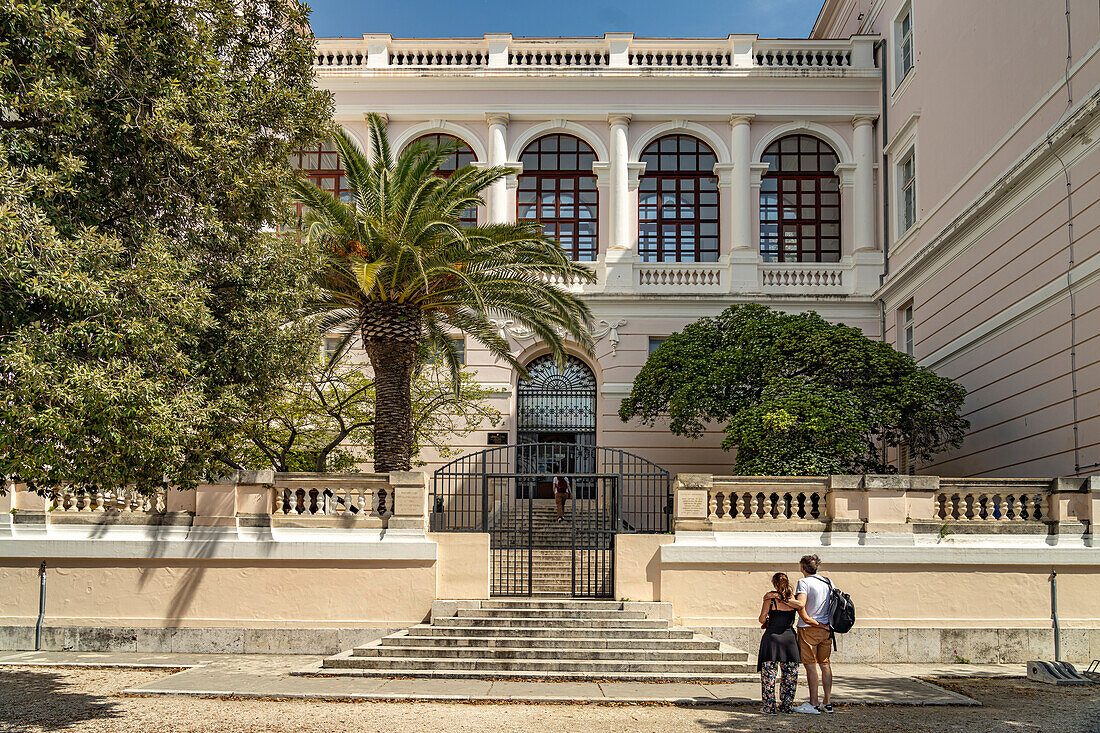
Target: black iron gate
{"type": "Point", "coordinates": [513, 492]}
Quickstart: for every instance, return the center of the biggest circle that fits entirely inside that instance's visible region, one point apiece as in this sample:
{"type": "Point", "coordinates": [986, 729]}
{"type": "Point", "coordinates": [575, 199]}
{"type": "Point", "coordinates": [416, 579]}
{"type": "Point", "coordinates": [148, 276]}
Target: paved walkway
{"type": "Point", "coordinates": [270, 676]}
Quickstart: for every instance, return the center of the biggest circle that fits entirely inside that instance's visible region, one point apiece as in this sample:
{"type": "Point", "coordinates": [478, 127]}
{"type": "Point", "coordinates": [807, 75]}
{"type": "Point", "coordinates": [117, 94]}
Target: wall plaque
{"type": "Point", "coordinates": [498, 438]}
{"type": "Point", "coordinates": [691, 504]}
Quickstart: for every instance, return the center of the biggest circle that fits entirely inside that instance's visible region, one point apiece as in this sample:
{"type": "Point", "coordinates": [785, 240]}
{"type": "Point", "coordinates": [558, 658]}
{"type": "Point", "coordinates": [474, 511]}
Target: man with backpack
{"type": "Point", "coordinates": [815, 642]}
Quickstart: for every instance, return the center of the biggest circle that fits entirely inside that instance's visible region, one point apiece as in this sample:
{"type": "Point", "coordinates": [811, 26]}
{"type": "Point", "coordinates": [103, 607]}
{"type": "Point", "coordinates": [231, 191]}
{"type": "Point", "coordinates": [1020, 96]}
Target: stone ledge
{"type": "Point", "coordinates": [200, 640]}
{"type": "Point", "coordinates": [937, 645]}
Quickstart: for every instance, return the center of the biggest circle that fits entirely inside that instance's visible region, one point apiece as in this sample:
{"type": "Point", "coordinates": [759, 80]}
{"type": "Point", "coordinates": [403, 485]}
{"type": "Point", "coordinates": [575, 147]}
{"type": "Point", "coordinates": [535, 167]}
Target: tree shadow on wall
{"type": "Point", "coordinates": [44, 700]}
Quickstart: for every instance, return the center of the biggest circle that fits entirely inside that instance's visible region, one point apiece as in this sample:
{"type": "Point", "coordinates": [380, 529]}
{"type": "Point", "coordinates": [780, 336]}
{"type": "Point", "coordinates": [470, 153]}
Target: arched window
{"type": "Point", "coordinates": [558, 189]}
{"type": "Point", "coordinates": [321, 165]}
{"type": "Point", "coordinates": [800, 202]}
{"type": "Point", "coordinates": [460, 158]}
{"type": "Point", "coordinates": [678, 202]}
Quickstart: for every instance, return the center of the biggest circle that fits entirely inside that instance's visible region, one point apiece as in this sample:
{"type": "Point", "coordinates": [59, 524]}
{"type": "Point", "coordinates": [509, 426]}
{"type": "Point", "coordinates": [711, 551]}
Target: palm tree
{"type": "Point", "coordinates": [403, 273]}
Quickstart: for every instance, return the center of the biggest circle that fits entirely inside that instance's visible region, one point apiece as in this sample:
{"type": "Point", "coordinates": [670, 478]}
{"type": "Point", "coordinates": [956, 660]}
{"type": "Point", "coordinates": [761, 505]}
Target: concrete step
{"type": "Point", "coordinates": [540, 676]}
{"type": "Point", "coordinates": [579, 604]}
{"type": "Point", "coordinates": [553, 642]}
{"type": "Point", "coordinates": [544, 653]}
{"type": "Point", "coordinates": [555, 623]}
{"type": "Point", "coordinates": [534, 632]}
{"type": "Point", "coordinates": [576, 614]}
{"type": "Point", "coordinates": [592, 667]}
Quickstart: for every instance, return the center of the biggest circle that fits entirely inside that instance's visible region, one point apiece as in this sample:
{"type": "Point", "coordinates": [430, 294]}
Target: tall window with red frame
{"type": "Point", "coordinates": [321, 165]}
{"type": "Point", "coordinates": [460, 158]}
{"type": "Point", "coordinates": [678, 202]}
{"type": "Point", "coordinates": [558, 189]}
{"type": "Point", "coordinates": [800, 202]}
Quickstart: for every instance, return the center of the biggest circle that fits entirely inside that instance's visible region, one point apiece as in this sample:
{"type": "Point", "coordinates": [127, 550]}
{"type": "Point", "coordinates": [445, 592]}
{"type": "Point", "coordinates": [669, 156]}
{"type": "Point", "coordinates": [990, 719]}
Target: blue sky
{"type": "Point", "coordinates": [672, 18]}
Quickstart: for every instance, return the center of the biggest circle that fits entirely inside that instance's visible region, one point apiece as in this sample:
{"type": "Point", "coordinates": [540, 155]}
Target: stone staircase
{"type": "Point", "coordinates": [552, 553]}
{"type": "Point", "coordinates": [547, 640]}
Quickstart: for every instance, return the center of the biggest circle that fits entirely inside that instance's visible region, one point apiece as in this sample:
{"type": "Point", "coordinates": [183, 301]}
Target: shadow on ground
{"type": "Point", "coordinates": [43, 700]}
{"type": "Point", "coordinates": [1013, 705]}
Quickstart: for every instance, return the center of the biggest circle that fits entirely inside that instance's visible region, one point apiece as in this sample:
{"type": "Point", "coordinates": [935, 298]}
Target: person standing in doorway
{"type": "Point", "coordinates": [562, 493]}
{"type": "Point", "coordinates": [814, 636]}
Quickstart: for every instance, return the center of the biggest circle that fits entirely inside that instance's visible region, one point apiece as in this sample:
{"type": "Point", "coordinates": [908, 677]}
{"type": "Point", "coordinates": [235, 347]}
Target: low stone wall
{"type": "Point", "coordinates": [309, 563]}
{"type": "Point", "coordinates": [936, 567]}
{"type": "Point", "coordinates": [260, 563]}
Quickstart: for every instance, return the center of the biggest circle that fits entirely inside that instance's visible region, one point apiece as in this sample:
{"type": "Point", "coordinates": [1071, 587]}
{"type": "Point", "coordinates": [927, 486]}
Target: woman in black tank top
{"type": "Point", "coordinates": [778, 657]}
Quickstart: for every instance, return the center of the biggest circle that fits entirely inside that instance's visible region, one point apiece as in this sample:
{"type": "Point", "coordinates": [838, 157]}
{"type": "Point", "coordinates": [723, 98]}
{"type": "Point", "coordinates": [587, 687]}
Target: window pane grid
{"type": "Point", "coordinates": [459, 158]}
{"type": "Point", "coordinates": [678, 202]}
{"type": "Point", "coordinates": [321, 166]}
{"type": "Point", "coordinates": [558, 189]}
{"type": "Point", "coordinates": [800, 202]}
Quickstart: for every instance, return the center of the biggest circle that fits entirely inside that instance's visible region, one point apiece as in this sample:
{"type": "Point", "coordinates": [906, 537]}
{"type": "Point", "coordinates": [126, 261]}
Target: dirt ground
{"type": "Point", "coordinates": [37, 699]}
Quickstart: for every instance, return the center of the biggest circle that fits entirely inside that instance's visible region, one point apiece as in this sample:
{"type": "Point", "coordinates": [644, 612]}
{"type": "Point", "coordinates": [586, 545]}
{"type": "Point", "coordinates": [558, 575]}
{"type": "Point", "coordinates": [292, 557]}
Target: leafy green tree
{"type": "Point", "coordinates": [403, 272]}
{"type": "Point", "coordinates": [309, 426]}
{"type": "Point", "coordinates": [798, 395]}
{"type": "Point", "coordinates": [144, 298]}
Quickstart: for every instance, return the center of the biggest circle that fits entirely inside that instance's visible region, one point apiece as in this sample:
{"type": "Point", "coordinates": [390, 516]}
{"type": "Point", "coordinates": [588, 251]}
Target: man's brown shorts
{"type": "Point", "coordinates": [814, 645]}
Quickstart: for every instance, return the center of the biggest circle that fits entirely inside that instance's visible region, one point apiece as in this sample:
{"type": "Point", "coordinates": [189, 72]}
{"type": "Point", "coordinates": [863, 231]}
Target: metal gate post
{"type": "Point", "coordinates": [484, 496]}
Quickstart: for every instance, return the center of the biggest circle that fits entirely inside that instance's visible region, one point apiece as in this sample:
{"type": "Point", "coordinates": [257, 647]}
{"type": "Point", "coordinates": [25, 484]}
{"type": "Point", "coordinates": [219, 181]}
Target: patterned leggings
{"type": "Point", "coordinates": [788, 671]}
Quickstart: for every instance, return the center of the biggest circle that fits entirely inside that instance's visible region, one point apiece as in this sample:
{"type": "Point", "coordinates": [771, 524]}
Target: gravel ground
{"type": "Point", "coordinates": [36, 699]}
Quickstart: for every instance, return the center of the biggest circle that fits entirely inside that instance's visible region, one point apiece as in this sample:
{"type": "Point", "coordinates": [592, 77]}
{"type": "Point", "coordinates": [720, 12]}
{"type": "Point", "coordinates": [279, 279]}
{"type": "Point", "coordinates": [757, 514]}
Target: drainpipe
{"type": "Point", "coordinates": [41, 607]}
{"type": "Point", "coordinates": [884, 191]}
{"type": "Point", "coordinates": [1054, 615]}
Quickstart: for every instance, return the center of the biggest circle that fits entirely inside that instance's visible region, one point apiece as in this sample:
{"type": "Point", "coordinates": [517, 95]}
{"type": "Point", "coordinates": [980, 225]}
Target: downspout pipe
{"type": "Point", "coordinates": [41, 607]}
{"type": "Point", "coordinates": [1054, 615]}
{"type": "Point", "coordinates": [884, 188]}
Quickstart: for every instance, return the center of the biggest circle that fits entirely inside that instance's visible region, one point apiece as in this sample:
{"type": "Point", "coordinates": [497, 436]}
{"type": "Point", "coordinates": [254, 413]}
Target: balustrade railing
{"type": "Point", "coordinates": [706, 58]}
{"type": "Point", "coordinates": [502, 51]}
{"type": "Point", "coordinates": [929, 506]}
{"type": "Point", "coordinates": [815, 276]}
{"type": "Point", "coordinates": [93, 501]}
{"type": "Point", "coordinates": [680, 277]}
{"type": "Point", "coordinates": [446, 57]}
{"type": "Point", "coordinates": [555, 55]}
{"type": "Point", "coordinates": [747, 500]}
{"type": "Point", "coordinates": [802, 58]}
{"type": "Point", "coordinates": [968, 500]}
{"type": "Point", "coordinates": [345, 496]}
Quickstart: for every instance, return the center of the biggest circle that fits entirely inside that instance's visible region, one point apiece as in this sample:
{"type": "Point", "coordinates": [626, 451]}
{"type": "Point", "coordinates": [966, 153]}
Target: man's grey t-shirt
{"type": "Point", "coordinates": [817, 599]}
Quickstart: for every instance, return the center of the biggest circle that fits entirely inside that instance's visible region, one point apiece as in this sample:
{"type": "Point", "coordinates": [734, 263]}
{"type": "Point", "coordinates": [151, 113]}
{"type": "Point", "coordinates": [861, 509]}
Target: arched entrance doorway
{"type": "Point", "coordinates": [555, 409]}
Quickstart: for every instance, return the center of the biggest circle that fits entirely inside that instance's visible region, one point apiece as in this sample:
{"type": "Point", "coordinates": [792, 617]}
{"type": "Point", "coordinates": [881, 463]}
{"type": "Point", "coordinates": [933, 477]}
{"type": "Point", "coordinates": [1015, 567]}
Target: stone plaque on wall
{"type": "Point", "coordinates": [691, 504]}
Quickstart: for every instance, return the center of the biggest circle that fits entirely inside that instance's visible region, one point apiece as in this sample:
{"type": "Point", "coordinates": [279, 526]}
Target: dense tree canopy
{"type": "Point", "coordinates": [797, 395]}
{"type": "Point", "coordinates": [144, 297]}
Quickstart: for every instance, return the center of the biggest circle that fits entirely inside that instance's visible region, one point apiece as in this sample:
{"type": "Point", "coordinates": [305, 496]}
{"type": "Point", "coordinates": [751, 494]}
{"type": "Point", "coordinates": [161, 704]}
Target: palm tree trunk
{"type": "Point", "coordinates": [393, 363]}
{"type": "Point", "coordinates": [391, 336]}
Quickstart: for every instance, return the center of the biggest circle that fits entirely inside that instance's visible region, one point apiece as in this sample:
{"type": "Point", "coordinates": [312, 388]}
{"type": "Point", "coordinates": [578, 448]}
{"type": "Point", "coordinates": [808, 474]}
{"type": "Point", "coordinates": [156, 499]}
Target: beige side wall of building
{"type": "Point", "coordinates": [992, 110]}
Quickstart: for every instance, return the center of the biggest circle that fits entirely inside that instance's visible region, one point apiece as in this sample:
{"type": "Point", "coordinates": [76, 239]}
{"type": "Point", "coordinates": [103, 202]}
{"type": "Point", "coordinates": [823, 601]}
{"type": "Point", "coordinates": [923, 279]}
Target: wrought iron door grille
{"type": "Point", "coordinates": [508, 492]}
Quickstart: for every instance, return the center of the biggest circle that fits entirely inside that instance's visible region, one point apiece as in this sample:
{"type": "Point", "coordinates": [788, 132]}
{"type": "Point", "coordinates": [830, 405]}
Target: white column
{"type": "Point", "coordinates": [741, 190]}
{"type": "Point", "coordinates": [863, 183]}
{"type": "Point", "coordinates": [619, 188]}
{"type": "Point", "coordinates": [497, 202]}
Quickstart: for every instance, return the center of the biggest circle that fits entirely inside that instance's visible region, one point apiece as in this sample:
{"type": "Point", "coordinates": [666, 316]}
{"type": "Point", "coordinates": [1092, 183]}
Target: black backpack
{"type": "Point", "coordinates": [842, 612]}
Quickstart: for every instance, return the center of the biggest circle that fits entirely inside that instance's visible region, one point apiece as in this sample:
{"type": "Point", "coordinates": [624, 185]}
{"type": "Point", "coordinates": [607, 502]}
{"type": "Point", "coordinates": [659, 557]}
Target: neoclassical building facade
{"type": "Point", "coordinates": [691, 174]}
{"type": "Point", "coordinates": [860, 173]}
